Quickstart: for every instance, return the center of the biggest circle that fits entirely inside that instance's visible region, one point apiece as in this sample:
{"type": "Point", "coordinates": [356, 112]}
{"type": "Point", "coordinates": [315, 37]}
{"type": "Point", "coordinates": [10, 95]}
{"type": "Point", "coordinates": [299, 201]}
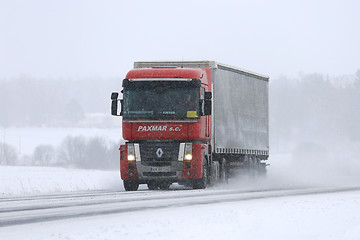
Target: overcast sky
{"type": "Point", "coordinates": [81, 38]}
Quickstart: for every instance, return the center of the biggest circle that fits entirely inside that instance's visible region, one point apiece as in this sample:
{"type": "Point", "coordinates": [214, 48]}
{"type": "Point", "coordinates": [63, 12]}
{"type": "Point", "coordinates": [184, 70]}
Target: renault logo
{"type": "Point", "coordinates": [159, 152]}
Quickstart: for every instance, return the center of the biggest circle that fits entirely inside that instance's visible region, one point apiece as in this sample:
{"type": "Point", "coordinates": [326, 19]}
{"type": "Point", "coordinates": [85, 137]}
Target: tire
{"type": "Point", "coordinates": [131, 185]}
{"type": "Point", "coordinates": [215, 173]}
{"type": "Point", "coordinates": [224, 172]}
{"type": "Point", "coordinates": [262, 170]}
{"type": "Point", "coordinates": [201, 183]}
{"type": "Point", "coordinates": [152, 185]}
{"type": "Point", "coordinates": [254, 167]}
{"type": "Point", "coordinates": [164, 186]}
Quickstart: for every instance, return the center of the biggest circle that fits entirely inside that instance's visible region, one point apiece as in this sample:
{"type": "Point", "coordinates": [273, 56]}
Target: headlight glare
{"type": "Point", "coordinates": [131, 157]}
{"type": "Point", "coordinates": [131, 152]}
{"type": "Point", "coordinates": [188, 157]}
{"type": "Point", "coordinates": [188, 152]}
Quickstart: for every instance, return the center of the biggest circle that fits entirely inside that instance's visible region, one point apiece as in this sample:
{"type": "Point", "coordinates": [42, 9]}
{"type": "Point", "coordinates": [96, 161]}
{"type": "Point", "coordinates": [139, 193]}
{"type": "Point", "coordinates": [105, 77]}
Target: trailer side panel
{"type": "Point", "coordinates": [240, 112]}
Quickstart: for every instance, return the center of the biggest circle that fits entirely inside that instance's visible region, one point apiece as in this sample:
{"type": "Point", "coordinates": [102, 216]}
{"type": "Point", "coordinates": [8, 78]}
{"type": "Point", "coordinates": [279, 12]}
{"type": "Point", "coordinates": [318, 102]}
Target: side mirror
{"type": "Point", "coordinates": [205, 104]}
{"type": "Point", "coordinates": [114, 104]}
{"type": "Point", "coordinates": [114, 107]}
{"type": "Point", "coordinates": [114, 96]}
{"type": "Point", "coordinates": [207, 107]}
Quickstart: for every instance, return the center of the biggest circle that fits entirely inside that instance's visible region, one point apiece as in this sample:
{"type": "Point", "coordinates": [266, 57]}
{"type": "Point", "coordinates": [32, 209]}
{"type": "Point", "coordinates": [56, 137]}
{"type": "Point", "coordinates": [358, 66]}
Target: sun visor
{"type": "Point", "coordinates": [161, 82]}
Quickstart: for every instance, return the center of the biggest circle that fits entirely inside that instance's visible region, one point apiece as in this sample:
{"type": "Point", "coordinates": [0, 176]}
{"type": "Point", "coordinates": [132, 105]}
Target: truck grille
{"type": "Point", "coordinates": [159, 154]}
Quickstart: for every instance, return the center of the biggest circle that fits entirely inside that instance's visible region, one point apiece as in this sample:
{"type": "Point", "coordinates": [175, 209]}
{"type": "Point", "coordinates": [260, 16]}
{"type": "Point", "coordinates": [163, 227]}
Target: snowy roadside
{"type": "Point", "coordinates": [330, 216]}
{"type": "Point", "coordinates": [36, 180]}
{"type": "Point", "coordinates": [322, 216]}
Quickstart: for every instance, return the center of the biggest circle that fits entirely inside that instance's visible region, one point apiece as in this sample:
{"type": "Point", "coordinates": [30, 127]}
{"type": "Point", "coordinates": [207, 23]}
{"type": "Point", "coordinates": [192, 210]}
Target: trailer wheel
{"type": "Point", "coordinates": [254, 168]}
{"type": "Point", "coordinates": [131, 185]}
{"type": "Point", "coordinates": [262, 170]}
{"type": "Point", "coordinates": [224, 171]}
{"type": "Point", "coordinates": [214, 173]}
{"type": "Point", "coordinates": [201, 183]}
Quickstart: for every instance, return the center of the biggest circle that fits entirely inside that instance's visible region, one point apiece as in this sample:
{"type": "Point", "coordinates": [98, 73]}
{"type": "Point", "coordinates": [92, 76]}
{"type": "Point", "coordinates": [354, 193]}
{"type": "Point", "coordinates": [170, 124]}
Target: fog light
{"type": "Point", "coordinates": [188, 173]}
{"type": "Point", "coordinates": [131, 174]}
{"type": "Point", "coordinates": [131, 157]}
{"type": "Point", "coordinates": [188, 157]}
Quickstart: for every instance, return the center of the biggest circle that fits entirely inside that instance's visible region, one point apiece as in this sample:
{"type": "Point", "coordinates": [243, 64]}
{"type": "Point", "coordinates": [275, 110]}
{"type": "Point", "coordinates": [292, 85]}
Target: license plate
{"type": "Point", "coordinates": [160, 169]}
{"type": "Point", "coordinates": [155, 169]}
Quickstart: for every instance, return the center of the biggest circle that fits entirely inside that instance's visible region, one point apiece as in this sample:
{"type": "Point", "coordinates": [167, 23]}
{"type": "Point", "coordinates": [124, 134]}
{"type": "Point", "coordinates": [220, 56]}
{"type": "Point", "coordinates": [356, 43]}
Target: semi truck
{"type": "Point", "coordinates": [193, 123]}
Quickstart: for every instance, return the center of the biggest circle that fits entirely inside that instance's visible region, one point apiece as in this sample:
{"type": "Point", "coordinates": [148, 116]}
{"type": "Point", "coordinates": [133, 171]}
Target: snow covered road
{"type": "Point", "coordinates": [43, 208]}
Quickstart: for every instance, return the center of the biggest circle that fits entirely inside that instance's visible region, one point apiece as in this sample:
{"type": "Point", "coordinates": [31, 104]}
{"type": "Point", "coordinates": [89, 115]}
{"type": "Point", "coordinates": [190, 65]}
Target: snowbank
{"type": "Point", "coordinates": [35, 180]}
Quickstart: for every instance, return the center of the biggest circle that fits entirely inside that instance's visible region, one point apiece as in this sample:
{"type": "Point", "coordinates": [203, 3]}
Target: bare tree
{"type": "Point", "coordinates": [8, 154]}
{"type": "Point", "coordinates": [44, 155]}
{"type": "Point", "coordinates": [72, 151]}
{"type": "Point", "coordinates": [96, 154]}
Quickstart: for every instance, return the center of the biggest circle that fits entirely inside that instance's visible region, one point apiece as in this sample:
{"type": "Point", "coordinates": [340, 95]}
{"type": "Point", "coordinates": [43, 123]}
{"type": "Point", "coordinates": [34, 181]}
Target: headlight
{"type": "Point", "coordinates": [188, 157]}
{"type": "Point", "coordinates": [131, 152]}
{"type": "Point", "coordinates": [130, 157]}
{"type": "Point", "coordinates": [185, 152]}
{"type": "Point", "coordinates": [188, 152]}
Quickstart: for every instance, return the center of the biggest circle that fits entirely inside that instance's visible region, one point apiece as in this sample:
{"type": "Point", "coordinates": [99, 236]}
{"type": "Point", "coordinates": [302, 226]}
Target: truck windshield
{"type": "Point", "coordinates": [161, 103]}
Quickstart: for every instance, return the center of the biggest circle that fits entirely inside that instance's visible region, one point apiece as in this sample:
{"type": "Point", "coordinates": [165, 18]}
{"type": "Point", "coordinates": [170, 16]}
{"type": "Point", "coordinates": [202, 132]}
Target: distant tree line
{"type": "Point", "coordinates": [307, 103]}
{"type": "Point", "coordinates": [73, 152]}
{"type": "Point", "coordinates": [311, 107]}
{"type": "Point", "coordinates": [29, 102]}
{"type": "Point", "coordinates": [314, 107]}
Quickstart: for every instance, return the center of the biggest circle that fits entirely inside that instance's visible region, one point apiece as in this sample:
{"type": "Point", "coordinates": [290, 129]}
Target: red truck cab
{"type": "Point", "coordinates": [166, 122]}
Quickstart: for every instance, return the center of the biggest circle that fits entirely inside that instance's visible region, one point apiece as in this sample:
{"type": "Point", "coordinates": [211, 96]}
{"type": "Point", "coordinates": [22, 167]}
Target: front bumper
{"type": "Point", "coordinates": [161, 161]}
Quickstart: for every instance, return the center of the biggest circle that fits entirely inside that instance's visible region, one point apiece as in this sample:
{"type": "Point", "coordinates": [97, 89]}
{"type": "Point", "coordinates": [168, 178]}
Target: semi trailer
{"type": "Point", "coordinates": [191, 122]}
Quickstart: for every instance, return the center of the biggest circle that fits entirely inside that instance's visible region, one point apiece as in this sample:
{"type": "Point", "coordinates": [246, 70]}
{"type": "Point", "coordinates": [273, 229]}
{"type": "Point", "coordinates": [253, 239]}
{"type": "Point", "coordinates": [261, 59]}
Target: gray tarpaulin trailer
{"type": "Point", "coordinates": [240, 107]}
{"type": "Point", "coordinates": [240, 122]}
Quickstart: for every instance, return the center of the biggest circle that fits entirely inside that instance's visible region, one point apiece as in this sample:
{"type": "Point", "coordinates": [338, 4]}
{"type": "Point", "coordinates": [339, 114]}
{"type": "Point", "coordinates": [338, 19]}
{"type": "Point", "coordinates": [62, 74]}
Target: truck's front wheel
{"type": "Point", "coordinates": [131, 185]}
{"type": "Point", "coordinates": [152, 185]}
{"type": "Point", "coordinates": [202, 182]}
{"type": "Point", "coordinates": [164, 185]}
